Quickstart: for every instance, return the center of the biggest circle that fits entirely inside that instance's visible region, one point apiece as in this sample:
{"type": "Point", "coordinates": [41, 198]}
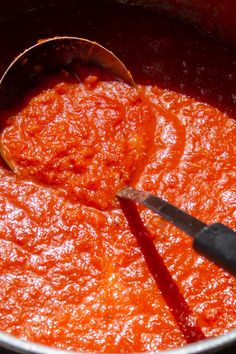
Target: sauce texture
{"type": "Point", "coordinates": [89, 136]}
{"type": "Point", "coordinates": [72, 273]}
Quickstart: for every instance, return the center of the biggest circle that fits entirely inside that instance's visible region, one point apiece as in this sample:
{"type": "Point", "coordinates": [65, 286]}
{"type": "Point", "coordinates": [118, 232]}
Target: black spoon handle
{"type": "Point", "coordinates": [217, 242]}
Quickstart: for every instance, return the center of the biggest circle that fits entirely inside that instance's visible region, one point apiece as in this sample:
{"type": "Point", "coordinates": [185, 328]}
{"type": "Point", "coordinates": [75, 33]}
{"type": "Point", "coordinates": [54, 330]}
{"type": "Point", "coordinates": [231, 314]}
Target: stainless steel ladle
{"type": "Point", "coordinates": [48, 56]}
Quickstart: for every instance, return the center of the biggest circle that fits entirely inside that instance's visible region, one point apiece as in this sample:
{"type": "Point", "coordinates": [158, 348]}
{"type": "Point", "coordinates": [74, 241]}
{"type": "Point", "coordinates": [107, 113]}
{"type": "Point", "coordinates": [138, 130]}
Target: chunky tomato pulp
{"type": "Point", "coordinates": [79, 271]}
{"type": "Point", "coordinates": [89, 138]}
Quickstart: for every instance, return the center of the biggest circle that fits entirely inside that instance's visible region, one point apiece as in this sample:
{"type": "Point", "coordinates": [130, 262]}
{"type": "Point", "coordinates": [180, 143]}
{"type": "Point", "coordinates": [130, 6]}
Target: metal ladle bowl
{"type": "Point", "coordinates": [48, 56]}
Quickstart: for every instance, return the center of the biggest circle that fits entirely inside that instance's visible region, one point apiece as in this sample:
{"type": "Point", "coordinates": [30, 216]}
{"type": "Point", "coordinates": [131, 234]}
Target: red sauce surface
{"type": "Point", "coordinates": [73, 275]}
{"type": "Point", "coordinates": [89, 138]}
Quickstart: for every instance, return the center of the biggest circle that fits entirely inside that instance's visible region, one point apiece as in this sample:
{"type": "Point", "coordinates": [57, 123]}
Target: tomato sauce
{"type": "Point", "coordinates": [89, 138]}
{"type": "Point", "coordinates": [77, 270]}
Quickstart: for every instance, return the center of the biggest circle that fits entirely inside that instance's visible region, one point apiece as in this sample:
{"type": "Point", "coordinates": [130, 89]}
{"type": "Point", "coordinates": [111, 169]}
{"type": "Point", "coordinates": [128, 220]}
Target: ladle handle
{"type": "Point", "coordinates": [218, 243]}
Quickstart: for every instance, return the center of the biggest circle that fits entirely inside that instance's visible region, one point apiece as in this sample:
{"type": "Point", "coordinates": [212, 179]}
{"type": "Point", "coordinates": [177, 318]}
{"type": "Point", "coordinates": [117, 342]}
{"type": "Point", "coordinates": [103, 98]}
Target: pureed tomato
{"type": "Point", "coordinates": [72, 275]}
{"type": "Point", "coordinates": [90, 138]}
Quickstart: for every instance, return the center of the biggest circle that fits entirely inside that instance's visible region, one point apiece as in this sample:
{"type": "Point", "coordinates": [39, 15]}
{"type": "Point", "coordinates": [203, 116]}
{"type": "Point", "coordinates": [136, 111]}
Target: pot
{"type": "Point", "coordinates": [211, 21]}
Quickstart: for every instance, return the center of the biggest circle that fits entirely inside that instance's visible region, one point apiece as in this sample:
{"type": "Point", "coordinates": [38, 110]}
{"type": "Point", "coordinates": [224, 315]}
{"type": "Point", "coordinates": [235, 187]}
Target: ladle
{"type": "Point", "coordinates": [52, 55]}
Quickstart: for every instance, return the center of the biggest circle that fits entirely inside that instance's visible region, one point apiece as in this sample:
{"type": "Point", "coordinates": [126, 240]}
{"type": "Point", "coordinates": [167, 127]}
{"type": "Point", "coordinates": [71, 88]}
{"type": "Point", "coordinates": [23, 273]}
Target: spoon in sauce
{"type": "Point", "coordinates": [49, 56]}
{"type": "Point", "coordinates": [217, 242]}
{"type": "Point", "coordinates": [84, 128]}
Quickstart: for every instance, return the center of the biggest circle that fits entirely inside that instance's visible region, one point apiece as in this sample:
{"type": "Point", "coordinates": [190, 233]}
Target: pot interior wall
{"type": "Point", "coordinates": [215, 17]}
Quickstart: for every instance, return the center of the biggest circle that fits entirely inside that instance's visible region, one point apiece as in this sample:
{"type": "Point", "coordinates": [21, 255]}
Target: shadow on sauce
{"type": "Point", "coordinates": [168, 287]}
